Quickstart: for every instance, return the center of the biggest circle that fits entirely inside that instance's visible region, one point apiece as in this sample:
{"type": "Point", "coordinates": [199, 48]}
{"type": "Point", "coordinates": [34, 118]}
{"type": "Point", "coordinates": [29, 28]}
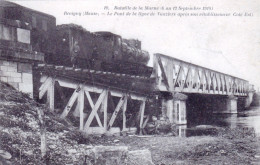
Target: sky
{"type": "Point", "coordinates": [228, 44]}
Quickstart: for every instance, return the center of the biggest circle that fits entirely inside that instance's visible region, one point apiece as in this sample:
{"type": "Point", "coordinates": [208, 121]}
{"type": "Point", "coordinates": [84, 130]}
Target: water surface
{"type": "Point", "coordinates": [248, 119]}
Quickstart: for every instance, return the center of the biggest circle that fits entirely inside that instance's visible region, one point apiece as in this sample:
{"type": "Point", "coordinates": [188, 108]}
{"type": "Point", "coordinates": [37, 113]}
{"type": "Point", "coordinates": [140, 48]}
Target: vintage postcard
{"type": "Point", "coordinates": [129, 82]}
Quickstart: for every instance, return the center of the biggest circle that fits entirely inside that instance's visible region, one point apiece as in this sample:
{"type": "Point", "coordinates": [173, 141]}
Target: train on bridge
{"type": "Point", "coordinates": [72, 45]}
{"type": "Point", "coordinates": [97, 78]}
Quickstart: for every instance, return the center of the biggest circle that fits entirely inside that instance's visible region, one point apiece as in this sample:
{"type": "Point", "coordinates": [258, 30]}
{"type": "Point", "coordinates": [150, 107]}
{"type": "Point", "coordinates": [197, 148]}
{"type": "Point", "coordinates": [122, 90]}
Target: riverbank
{"type": "Point", "coordinates": [20, 139]}
{"type": "Point", "coordinates": [233, 147]}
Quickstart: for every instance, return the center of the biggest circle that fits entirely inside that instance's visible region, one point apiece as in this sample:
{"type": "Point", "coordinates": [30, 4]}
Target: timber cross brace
{"type": "Point", "coordinates": [83, 95]}
{"type": "Point", "coordinates": [175, 75]}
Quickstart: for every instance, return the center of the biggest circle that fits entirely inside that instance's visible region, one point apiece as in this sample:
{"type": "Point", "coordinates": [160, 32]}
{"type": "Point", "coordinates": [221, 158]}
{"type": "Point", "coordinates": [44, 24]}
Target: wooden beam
{"type": "Point", "coordinates": [142, 108]}
{"type": "Point", "coordinates": [111, 101]}
{"type": "Point", "coordinates": [124, 111]}
{"type": "Point", "coordinates": [67, 83]}
{"type": "Point", "coordinates": [133, 96]}
{"type": "Point", "coordinates": [104, 106]}
{"type": "Point", "coordinates": [92, 106]}
{"type": "Point", "coordinates": [48, 79]}
{"type": "Point", "coordinates": [94, 109]}
{"type": "Point", "coordinates": [43, 78]}
{"type": "Point", "coordinates": [50, 95]}
{"type": "Point", "coordinates": [118, 107]}
{"type": "Point", "coordinates": [76, 112]}
{"type": "Point", "coordinates": [70, 103]}
{"type": "Point", "coordinates": [81, 108]}
{"type": "Point", "coordinates": [62, 95]}
{"type": "Point", "coordinates": [145, 122]}
{"type": "Point", "coordinates": [96, 89]}
{"type": "Point", "coordinates": [44, 87]}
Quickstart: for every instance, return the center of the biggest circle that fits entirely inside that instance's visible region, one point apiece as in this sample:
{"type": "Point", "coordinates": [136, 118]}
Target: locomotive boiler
{"type": "Point", "coordinates": [103, 51]}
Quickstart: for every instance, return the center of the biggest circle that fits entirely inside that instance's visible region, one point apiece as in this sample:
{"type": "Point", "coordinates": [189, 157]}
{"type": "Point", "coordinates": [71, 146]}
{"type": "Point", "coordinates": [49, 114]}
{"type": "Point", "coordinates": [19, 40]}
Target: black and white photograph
{"type": "Point", "coordinates": [129, 82]}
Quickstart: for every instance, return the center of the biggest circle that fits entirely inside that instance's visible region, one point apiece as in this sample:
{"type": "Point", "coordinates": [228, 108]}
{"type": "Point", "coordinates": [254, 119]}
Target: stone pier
{"type": "Point", "coordinates": [250, 95]}
{"type": "Point", "coordinates": [17, 74]}
{"type": "Point", "coordinates": [256, 99]}
{"type": "Point", "coordinates": [231, 105]}
{"type": "Point", "coordinates": [226, 104]}
{"type": "Point", "coordinates": [219, 104]}
{"type": "Point", "coordinates": [174, 108]}
{"type": "Point", "coordinates": [179, 108]}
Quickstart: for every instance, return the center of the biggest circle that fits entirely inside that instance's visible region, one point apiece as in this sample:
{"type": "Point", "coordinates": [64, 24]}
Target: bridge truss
{"type": "Point", "coordinates": [179, 76]}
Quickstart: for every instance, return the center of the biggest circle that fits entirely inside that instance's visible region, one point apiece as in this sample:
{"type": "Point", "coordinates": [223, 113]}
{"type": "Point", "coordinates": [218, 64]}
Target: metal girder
{"type": "Point", "coordinates": [191, 78]}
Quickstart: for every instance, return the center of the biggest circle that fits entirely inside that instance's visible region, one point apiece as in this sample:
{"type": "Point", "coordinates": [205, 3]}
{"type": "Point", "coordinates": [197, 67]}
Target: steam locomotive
{"type": "Point", "coordinates": [100, 51]}
{"type": "Point", "coordinates": [72, 45]}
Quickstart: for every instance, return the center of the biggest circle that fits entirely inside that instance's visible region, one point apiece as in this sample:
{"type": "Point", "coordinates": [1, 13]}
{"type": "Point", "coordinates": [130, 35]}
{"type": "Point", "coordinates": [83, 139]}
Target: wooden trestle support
{"type": "Point", "coordinates": [82, 91]}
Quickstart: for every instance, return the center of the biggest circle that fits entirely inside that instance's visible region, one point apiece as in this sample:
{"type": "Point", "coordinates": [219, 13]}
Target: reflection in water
{"type": "Point", "coordinates": [249, 118]}
{"type": "Point", "coordinates": [232, 120]}
{"type": "Point", "coordinates": [180, 130]}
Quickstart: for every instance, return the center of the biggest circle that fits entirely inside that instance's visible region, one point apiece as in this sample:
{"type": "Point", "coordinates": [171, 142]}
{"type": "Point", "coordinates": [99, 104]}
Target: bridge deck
{"type": "Point", "coordinates": [138, 85]}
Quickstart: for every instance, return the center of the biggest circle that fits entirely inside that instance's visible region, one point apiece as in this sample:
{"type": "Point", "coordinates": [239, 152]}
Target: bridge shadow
{"type": "Point", "coordinates": [206, 110]}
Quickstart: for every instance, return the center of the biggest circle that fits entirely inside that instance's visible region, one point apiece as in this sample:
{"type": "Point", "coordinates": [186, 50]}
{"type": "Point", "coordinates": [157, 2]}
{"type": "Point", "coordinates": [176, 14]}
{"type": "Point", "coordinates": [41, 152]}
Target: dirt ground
{"type": "Point", "coordinates": [191, 150]}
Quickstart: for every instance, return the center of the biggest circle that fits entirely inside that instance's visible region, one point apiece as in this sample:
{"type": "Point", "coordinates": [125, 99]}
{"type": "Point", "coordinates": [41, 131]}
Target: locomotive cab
{"type": "Point", "coordinates": [113, 50]}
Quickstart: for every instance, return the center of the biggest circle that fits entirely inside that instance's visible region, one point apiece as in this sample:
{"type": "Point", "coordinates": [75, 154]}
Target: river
{"type": "Point", "coordinates": [248, 119]}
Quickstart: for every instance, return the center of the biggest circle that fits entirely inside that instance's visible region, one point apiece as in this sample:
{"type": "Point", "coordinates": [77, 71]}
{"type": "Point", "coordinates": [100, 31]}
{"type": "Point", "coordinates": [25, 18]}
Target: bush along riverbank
{"type": "Point", "coordinates": [20, 140]}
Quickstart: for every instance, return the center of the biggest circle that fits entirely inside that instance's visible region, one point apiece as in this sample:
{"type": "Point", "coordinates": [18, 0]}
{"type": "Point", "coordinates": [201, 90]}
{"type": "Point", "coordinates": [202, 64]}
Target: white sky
{"type": "Point", "coordinates": [226, 44]}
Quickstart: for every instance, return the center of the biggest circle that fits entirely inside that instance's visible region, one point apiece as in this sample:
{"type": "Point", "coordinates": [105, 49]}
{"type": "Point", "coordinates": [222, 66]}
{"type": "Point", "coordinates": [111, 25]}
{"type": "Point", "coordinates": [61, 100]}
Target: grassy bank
{"type": "Point", "coordinates": [20, 136]}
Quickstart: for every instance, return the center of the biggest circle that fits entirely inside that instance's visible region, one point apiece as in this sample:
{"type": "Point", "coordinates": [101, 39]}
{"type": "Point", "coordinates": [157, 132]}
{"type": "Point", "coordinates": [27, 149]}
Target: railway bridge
{"type": "Point", "coordinates": [180, 80]}
{"type": "Point", "coordinates": [105, 102]}
{"type": "Point", "coordinates": [117, 97]}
